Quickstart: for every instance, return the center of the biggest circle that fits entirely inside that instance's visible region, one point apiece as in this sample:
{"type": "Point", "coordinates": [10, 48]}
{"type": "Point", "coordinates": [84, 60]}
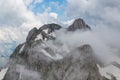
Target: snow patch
{"type": "Point", "coordinates": [46, 30]}
{"type": "Point", "coordinates": [2, 73]}
{"type": "Point", "coordinates": [22, 48]}
{"type": "Point", "coordinates": [39, 36]}
{"type": "Point", "coordinates": [56, 57]}
{"type": "Point", "coordinates": [52, 34]}
{"type": "Point", "coordinates": [105, 71]}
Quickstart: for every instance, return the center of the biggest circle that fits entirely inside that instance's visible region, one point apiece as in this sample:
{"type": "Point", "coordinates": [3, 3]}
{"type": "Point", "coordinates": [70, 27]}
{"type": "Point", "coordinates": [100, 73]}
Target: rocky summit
{"type": "Point", "coordinates": [43, 57]}
{"type": "Point", "coordinates": [79, 24]}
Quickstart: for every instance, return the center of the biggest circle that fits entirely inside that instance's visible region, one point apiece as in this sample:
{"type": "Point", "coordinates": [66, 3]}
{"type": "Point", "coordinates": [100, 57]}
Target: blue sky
{"type": "Point", "coordinates": [56, 6]}
{"type": "Point", "coordinates": [17, 17]}
{"type": "Point", "coordinates": [53, 4]}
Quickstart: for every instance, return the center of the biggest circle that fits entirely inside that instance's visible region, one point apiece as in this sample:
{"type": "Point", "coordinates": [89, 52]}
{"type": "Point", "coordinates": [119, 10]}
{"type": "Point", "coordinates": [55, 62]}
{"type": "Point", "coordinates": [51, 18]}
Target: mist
{"type": "Point", "coordinates": [103, 40]}
{"type": "Point", "coordinates": [27, 74]}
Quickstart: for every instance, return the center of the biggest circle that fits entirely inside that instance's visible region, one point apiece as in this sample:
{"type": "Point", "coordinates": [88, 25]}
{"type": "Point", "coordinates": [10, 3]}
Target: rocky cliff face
{"type": "Point", "coordinates": [37, 59]}
{"type": "Point", "coordinates": [79, 24]}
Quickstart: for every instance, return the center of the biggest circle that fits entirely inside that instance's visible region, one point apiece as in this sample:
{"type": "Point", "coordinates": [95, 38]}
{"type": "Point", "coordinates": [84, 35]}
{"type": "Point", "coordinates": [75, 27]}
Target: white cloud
{"type": "Point", "coordinates": [103, 11]}
{"type": "Point", "coordinates": [15, 13]}
{"type": "Point", "coordinates": [104, 42]}
{"type": "Point", "coordinates": [78, 7]}
{"type": "Point", "coordinates": [69, 22]}
{"type": "Point", "coordinates": [28, 2]}
{"type": "Point", "coordinates": [54, 15]}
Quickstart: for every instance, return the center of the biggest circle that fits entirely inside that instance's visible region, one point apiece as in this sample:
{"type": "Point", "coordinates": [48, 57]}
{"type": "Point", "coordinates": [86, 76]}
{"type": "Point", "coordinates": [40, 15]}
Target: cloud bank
{"type": "Point", "coordinates": [95, 11]}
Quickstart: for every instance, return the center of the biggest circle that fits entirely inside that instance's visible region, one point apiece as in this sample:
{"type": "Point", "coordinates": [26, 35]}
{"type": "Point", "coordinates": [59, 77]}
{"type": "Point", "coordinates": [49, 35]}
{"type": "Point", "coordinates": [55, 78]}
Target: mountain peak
{"type": "Point", "coordinates": [44, 32]}
{"type": "Point", "coordinates": [79, 24]}
{"type": "Point", "coordinates": [40, 59]}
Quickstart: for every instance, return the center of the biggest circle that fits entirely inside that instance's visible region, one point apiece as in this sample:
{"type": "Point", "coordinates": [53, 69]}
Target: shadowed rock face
{"type": "Point", "coordinates": [36, 60]}
{"type": "Point", "coordinates": [78, 24]}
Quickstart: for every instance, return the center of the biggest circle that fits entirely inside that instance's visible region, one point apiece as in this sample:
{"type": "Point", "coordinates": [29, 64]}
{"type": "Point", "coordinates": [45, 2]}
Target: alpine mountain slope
{"type": "Point", "coordinates": [43, 57]}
